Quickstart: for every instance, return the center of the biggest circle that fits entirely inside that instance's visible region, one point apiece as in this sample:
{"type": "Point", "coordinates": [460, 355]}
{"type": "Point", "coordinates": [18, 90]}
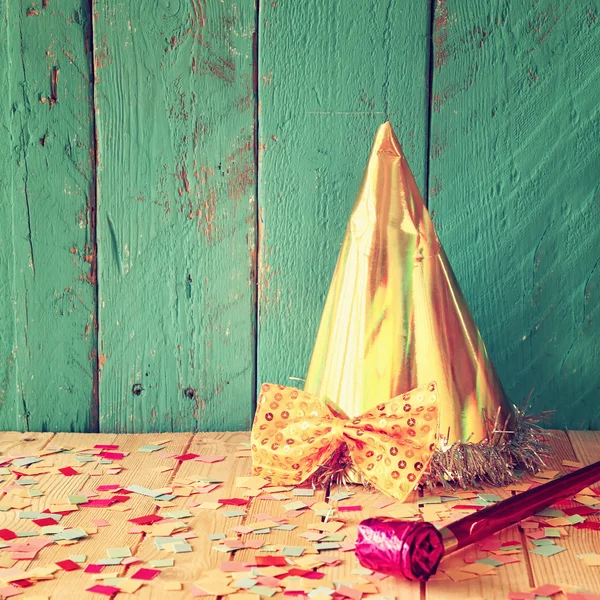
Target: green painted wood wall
{"type": "Point", "coordinates": [176, 177]}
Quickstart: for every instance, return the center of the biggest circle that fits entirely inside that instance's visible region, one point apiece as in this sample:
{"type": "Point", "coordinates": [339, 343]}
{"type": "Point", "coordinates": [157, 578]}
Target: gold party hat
{"type": "Point", "coordinates": [395, 319]}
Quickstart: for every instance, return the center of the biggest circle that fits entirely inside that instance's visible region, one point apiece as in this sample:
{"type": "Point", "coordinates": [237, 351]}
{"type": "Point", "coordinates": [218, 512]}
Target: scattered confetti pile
{"type": "Point", "coordinates": [180, 516]}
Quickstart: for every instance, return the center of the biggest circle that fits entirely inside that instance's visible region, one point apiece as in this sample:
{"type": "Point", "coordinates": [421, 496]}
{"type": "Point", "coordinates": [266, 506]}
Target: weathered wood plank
{"type": "Point", "coordinates": [48, 304]}
{"type": "Point", "coordinates": [566, 568]}
{"type": "Point", "coordinates": [138, 470]}
{"type": "Point", "coordinates": [176, 220]}
{"type": "Point", "coordinates": [508, 578]}
{"type": "Point", "coordinates": [10, 413]}
{"type": "Point", "coordinates": [392, 586]}
{"type": "Point", "coordinates": [514, 191]}
{"type": "Point", "coordinates": [189, 566]}
{"type": "Point", "coordinates": [327, 79]}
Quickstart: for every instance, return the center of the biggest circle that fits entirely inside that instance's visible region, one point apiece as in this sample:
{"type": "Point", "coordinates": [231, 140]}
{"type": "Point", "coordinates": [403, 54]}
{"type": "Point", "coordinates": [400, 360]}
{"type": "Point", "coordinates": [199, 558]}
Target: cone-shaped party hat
{"type": "Point", "coordinates": [395, 317]}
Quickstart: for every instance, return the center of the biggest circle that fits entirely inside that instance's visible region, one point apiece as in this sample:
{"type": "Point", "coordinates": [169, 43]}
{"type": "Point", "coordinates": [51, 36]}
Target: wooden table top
{"type": "Point", "coordinates": [161, 469]}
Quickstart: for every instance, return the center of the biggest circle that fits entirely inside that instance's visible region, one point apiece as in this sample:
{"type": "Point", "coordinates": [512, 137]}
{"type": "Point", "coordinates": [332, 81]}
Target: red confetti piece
{"type": "Point", "coordinates": [22, 583]}
{"type": "Point", "coordinates": [306, 574]}
{"type": "Point", "coordinates": [107, 446]}
{"type": "Point", "coordinates": [93, 568]}
{"type": "Point", "coordinates": [112, 455]}
{"type": "Point", "coordinates": [234, 501]}
{"type": "Point", "coordinates": [146, 520]}
{"type": "Point", "coordinates": [120, 498]}
{"type": "Point", "coordinates": [45, 522]}
{"type": "Point", "coordinates": [579, 510]}
{"type": "Point", "coordinates": [145, 574]}
{"type": "Point", "coordinates": [547, 590]}
{"type": "Point", "coordinates": [595, 525]}
{"type": "Point", "coordinates": [99, 503]}
{"type": "Point", "coordinates": [7, 535]}
{"type": "Point", "coordinates": [68, 565]}
{"type": "Point", "coordinates": [186, 456]}
{"type": "Point", "coordinates": [106, 488]}
{"type": "Point", "coordinates": [68, 471]}
{"type": "Point", "coordinates": [106, 590]}
{"type": "Point", "coordinates": [350, 508]}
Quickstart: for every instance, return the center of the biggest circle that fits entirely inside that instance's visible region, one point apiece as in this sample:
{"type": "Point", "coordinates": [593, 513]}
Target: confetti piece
{"type": "Point", "coordinates": [106, 590]}
{"type": "Point", "coordinates": [161, 563]}
{"type": "Point", "coordinates": [68, 471]}
{"type": "Point", "coordinates": [185, 457]}
{"type": "Point", "coordinates": [145, 574]}
{"type": "Point", "coordinates": [68, 565]}
{"type": "Point", "coordinates": [118, 552]}
{"type": "Point", "coordinates": [548, 550]}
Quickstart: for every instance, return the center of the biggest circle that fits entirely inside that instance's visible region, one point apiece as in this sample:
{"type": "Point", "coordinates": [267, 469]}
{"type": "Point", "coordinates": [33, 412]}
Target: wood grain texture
{"type": "Point", "coordinates": [567, 568]}
{"type": "Point", "coordinates": [514, 189]}
{"type": "Point", "coordinates": [328, 77]}
{"type": "Point", "coordinates": [176, 217]}
{"type": "Point", "coordinates": [47, 309]}
{"type": "Point", "coordinates": [189, 566]}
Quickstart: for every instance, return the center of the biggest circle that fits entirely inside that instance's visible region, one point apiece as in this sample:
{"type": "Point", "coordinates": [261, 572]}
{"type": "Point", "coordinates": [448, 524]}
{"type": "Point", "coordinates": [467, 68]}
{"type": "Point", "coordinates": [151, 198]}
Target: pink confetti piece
{"type": "Point", "coordinates": [29, 555]}
{"type": "Point", "coordinates": [197, 592]}
{"type": "Point", "coordinates": [106, 446]}
{"type": "Point", "coordinates": [131, 560]}
{"type": "Point", "coordinates": [348, 592]}
{"type": "Point", "coordinates": [242, 529]}
{"type": "Point", "coordinates": [547, 590]}
{"type": "Point", "coordinates": [9, 592]}
{"type": "Point", "coordinates": [210, 459]}
{"type": "Point", "coordinates": [254, 544]}
{"type": "Point", "coordinates": [352, 508]}
{"type": "Point", "coordinates": [347, 546]}
{"type": "Point", "coordinates": [100, 523]}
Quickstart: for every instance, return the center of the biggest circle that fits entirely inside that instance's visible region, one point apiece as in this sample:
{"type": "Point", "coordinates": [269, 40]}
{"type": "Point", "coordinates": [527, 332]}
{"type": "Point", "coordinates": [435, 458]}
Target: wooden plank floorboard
{"type": "Point", "coordinates": [566, 568]}
{"type": "Point", "coordinates": [189, 566]}
{"type": "Point", "coordinates": [498, 584]}
{"type": "Point", "coordinates": [365, 498]}
{"type": "Point", "coordinates": [138, 470]}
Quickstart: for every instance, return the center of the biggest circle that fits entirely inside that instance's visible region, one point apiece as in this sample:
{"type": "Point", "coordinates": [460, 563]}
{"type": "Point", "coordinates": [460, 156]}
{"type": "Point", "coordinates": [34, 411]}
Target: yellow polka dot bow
{"type": "Point", "coordinates": [295, 433]}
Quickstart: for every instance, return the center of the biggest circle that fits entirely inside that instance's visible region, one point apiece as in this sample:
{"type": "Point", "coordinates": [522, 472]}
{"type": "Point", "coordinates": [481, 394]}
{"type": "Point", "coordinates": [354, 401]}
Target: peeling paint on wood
{"type": "Point", "coordinates": [176, 187]}
{"type": "Point", "coordinates": [47, 302]}
{"type": "Point", "coordinates": [514, 163]}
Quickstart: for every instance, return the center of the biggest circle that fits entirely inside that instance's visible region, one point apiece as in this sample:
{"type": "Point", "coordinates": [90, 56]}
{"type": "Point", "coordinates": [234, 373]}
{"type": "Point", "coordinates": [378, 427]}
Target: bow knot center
{"type": "Point", "coordinates": [337, 428]}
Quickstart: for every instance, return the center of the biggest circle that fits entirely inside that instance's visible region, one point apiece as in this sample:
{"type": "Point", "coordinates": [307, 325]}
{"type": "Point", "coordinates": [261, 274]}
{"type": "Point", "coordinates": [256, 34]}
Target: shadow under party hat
{"type": "Point", "coordinates": [395, 319]}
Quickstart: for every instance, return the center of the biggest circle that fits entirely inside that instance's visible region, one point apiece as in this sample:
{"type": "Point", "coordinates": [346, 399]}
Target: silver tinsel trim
{"type": "Point", "coordinates": [518, 445]}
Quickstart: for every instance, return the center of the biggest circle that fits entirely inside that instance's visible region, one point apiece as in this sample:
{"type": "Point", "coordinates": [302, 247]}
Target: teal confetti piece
{"type": "Point", "coordinates": [548, 550]}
